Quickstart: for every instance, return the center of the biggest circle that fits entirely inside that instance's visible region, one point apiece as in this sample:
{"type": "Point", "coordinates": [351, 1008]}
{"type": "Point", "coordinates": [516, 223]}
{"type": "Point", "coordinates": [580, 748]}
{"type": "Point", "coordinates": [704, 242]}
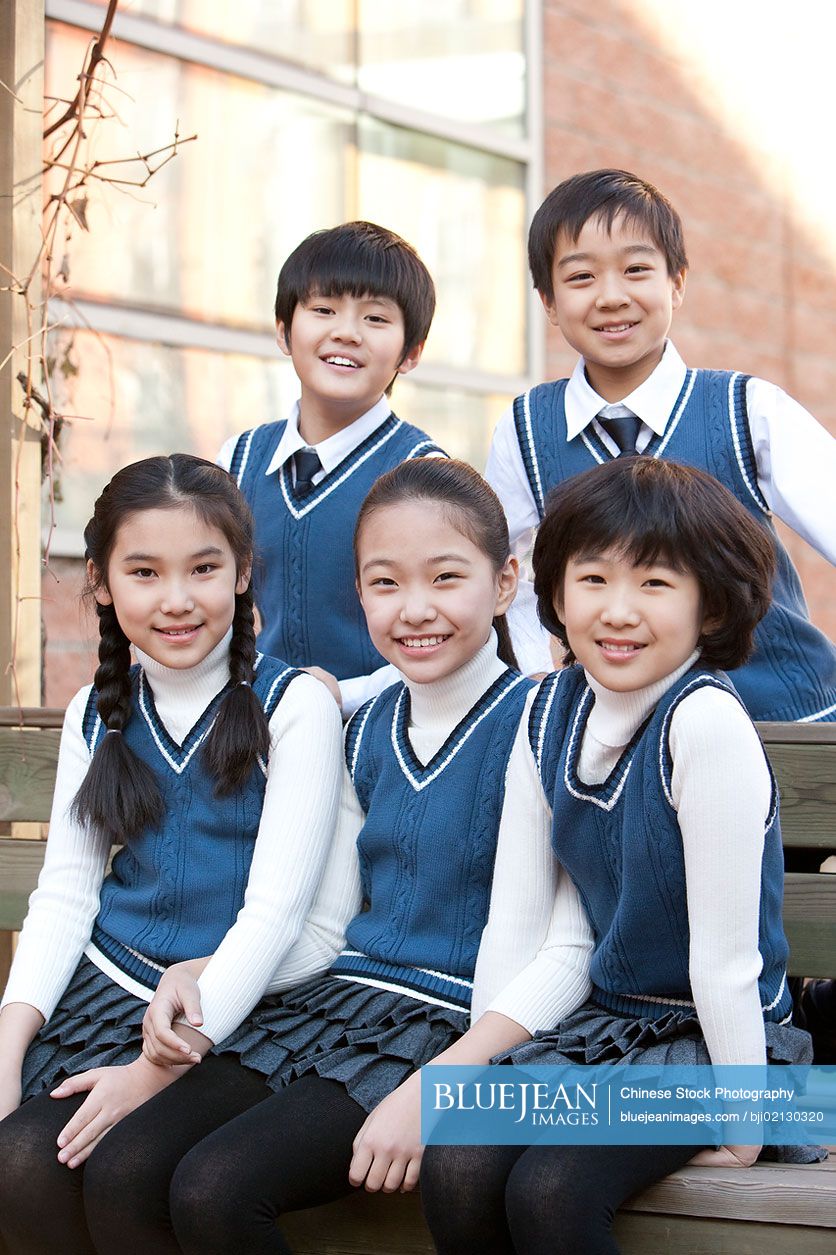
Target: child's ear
{"type": "Point", "coordinates": [678, 288]}
{"type": "Point", "coordinates": [94, 579]}
{"type": "Point", "coordinates": [507, 581]}
{"type": "Point", "coordinates": [550, 308]}
{"type": "Point", "coordinates": [411, 360]}
{"type": "Point", "coordinates": [282, 338]}
{"type": "Point", "coordinates": [243, 581]}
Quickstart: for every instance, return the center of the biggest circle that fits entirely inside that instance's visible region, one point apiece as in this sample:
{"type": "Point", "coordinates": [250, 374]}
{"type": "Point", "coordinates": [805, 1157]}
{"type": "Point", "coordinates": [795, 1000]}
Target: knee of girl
{"type": "Point", "coordinates": [203, 1198]}
{"type": "Point", "coordinates": [547, 1193]}
{"type": "Point", "coordinates": [460, 1179]}
{"type": "Point", "coordinates": [110, 1176]}
{"type": "Point", "coordinates": [29, 1157]}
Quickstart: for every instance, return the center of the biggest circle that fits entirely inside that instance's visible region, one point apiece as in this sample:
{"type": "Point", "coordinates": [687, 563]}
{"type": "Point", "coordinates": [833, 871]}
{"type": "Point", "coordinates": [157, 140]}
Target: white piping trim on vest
{"type": "Point", "coordinates": [589, 797]}
{"type": "Point", "coordinates": [422, 444]}
{"type": "Point", "coordinates": [245, 457]}
{"type": "Point", "coordinates": [419, 785]}
{"type": "Point", "coordinates": [532, 452]}
{"type": "Point", "coordinates": [677, 416]}
{"type": "Point", "coordinates": [738, 453]}
{"type": "Point", "coordinates": [353, 764]}
{"type": "Point", "coordinates": [590, 446]}
{"type": "Point", "coordinates": [176, 767]}
{"type": "Point", "coordinates": [283, 475]}
{"type": "Point", "coordinates": [541, 731]}
{"type": "Point", "coordinates": [779, 994]}
{"type": "Point", "coordinates": [426, 971]}
{"type": "Point", "coordinates": [820, 714]}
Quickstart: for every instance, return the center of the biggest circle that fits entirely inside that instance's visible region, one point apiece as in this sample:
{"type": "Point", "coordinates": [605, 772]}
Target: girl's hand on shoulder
{"type": "Point", "coordinates": [176, 995]}
{"type": "Point", "coordinates": [727, 1157]}
{"type": "Point", "coordinates": [330, 681]}
{"type": "Point", "coordinates": [388, 1150]}
{"type": "Point", "coordinates": [113, 1094]}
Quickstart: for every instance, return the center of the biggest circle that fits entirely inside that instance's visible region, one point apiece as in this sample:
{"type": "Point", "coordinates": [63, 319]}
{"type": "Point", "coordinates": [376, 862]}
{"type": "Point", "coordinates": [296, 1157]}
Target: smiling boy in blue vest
{"type": "Point", "coordinates": [607, 257]}
{"type": "Point", "coordinates": [353, 308]}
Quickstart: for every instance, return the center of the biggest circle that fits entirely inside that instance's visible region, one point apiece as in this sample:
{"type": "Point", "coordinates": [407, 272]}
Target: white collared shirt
{"type": "Point", "coordinates": [331, 452]}
{"type": "Point", "coordinates": [795, 458]}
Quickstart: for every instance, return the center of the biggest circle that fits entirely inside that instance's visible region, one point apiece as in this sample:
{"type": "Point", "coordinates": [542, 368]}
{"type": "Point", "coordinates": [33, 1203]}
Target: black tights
{"type": "Point", "coordinates": [536, 1200]}
{"type": "Point", "coordinates": [206, 1166]}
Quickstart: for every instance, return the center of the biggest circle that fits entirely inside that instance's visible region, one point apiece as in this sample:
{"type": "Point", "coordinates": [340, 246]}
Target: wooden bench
{"type": "Point", "coordinates": [697, 1211]}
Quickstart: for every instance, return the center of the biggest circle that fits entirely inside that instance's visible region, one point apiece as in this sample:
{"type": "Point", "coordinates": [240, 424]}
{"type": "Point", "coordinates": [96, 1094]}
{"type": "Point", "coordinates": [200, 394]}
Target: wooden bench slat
{"type": "Point", "coordinates": [648, 1233]}
{"type": "Point", "coordinates": [758, 1193]}
{"type": "Point", "coordinates": [806, 776]}
{"type": "Point", "coordinates": [28, 759]}
{"type": "Point", "coordinates": [810, 923]}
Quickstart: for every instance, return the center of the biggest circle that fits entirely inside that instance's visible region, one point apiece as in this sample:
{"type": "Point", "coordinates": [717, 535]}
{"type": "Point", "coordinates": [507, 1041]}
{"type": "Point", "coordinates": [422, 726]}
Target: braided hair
{"type": "Point", "coordinates": [119, 793]}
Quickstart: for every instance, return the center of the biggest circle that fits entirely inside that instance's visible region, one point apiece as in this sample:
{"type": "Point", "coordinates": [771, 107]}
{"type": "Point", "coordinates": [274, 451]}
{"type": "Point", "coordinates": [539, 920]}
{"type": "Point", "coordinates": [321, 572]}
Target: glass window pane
{"type": "Point", "coordinates": [135, 399]}
{"type": "Point", "coordinates": [464, 211]}
{"type": "Point", "coordinates": [460, 58]}
{"type": "Point", "coordinates": [462, 422]}
{"type": "Point", "coordinates": [318, 34]}
{"type": "Point", "coordinates": [209, 233]}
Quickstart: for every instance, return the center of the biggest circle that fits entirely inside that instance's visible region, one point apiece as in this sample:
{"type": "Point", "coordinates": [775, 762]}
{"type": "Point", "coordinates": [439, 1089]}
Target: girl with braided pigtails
{"type": "Point", "coordinates": [190, 761]}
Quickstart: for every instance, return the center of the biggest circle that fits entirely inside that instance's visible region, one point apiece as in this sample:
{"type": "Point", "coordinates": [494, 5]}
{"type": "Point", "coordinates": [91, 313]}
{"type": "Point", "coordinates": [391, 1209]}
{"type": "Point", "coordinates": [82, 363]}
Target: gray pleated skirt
{"type": "Point", "coordinates": [593, 1034]}
{"type": "Point", "coordinates": [368, 1039]}
{"type": "Point", "coordinates": [96, 1024]}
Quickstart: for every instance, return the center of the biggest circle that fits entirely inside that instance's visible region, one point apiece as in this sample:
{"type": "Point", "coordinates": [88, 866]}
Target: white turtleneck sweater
{"type": "Point", "coordinates": [721, 792]}
{"type": "Point", "coordinates": [435, 710]}
{"type": "Point", "coordinates": [297, 823]}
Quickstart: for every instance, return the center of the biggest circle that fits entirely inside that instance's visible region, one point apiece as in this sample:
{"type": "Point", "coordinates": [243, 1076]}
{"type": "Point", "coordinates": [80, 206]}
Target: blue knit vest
{"type": "Point", "coordinates": [792, 672]}
{"type": "Point", "coordinates": [621, 844]}
{"type": "Point", "coordinates": [175, 890]}
{"type": "Point", "coordinates": [427, 847]}
{"type": "Point", "coordinates": [304, 575]}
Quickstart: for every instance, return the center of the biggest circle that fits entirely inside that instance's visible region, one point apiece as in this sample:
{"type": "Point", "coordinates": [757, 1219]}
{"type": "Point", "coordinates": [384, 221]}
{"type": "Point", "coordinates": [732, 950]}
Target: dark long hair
{"type": "Point", "coordinates": [119, 794]}
{"type": "Point", "coordinates": [471, 504]}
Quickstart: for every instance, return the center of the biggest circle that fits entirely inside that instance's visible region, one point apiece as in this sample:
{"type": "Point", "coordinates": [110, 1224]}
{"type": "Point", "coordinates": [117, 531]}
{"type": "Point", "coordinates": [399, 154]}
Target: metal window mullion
{"type": "Point", "coordinates": [176, 331]}
{"type": "Point", "coordinates": [534, 177]}
{"type": "Point", "coordinates": [258, 67]}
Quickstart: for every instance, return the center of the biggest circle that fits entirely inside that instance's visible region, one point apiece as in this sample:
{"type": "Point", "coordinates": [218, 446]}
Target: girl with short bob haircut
{"type": "Point", "coordinates": [190, 761]}
{"type": "Point", "coordinates": [665, 815]}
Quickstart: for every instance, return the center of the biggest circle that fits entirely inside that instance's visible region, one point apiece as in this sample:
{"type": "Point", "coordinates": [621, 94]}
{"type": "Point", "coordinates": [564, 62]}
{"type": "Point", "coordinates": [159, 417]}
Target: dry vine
{"type": "Point", "coordinates": [65, 209]}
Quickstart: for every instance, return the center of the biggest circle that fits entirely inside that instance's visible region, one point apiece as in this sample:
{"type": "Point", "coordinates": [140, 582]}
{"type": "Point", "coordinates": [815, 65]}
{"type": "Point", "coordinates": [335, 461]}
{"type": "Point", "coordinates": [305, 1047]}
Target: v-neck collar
{"type": "Point", "coordinates": [658, 442]}
{"type": "Point", "coordinates": [300, 504]}
{"type": "Point", "coordinates": [177, 755]}
{"type": "Point", "coordinates": [421, 774]}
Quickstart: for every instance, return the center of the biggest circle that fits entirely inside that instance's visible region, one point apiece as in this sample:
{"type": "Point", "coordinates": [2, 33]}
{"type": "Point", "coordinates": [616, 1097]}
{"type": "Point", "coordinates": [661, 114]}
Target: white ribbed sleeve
{"type": "Point", "coordinates": [294, 838]}
{"type": "Point", "coordinates": [534, 956]}
{"type": "Point", "coordinates": [721, 791]}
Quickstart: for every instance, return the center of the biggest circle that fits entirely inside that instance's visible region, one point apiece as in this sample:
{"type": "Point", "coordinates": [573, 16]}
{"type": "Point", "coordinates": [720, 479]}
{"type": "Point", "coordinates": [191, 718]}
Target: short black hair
{"type": "Point", "coordinates": [356, 259]}
{"type": "Point", "coordinates": [604, 194]}
{"type": "Point", "coordinates": [652, 510]}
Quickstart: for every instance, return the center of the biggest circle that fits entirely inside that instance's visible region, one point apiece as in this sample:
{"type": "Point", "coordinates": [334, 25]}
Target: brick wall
{"type": "Point", "coordinates": [761, 296]}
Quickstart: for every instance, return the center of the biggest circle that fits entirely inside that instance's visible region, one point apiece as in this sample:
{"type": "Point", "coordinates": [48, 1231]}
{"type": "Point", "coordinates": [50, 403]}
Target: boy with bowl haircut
{"type": "Point", "coordinates": [607, 256]}
{"type": "Point", "coordinates": [353, 308]}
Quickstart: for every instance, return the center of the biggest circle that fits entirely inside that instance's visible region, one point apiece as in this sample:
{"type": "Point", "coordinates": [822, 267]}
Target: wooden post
{"type": "Point", "coordinates": [21, 126]}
